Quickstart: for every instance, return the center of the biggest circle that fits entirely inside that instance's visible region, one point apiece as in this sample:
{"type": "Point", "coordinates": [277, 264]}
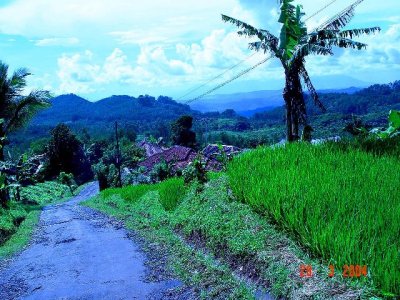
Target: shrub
{"type": "Point", "coordinates": [68, 180]}
{"type": "Point", "coordinates": [195, 171]}
{"type": "Point", "coordinates": [161, 171]}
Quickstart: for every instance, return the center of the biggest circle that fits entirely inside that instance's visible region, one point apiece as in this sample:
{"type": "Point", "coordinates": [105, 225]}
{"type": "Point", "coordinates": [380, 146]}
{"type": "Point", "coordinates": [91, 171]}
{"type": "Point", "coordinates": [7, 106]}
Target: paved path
{"type": "Point", "coordinates": [78, 253]}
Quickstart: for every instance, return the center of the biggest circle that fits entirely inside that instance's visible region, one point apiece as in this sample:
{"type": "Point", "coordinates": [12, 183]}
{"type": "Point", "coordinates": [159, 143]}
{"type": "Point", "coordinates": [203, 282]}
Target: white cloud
{"type": "Point", "coordinates": [76, 73]}
{"type": "Point", "coordinates": [172, 45]}
{"type": "Point", "coordinates": [43, 18]}
{"type": "Point", "coordinates": [57, 42]}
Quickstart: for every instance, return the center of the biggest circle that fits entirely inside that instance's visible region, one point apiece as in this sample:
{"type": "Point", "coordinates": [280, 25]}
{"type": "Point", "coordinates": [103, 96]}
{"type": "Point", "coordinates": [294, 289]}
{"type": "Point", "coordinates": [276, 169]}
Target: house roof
{"type": "Point", "coordinates": [150, 148]}
{"type": "Point", "coordinates": [213, 149]}
{"type": "Point", "coordinates": [178, 156]}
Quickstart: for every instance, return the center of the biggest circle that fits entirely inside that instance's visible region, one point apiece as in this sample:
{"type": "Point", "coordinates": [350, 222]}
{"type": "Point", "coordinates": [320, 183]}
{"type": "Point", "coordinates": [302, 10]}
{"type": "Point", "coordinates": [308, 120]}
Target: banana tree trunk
{"type": "Point", "coordinates": [293, 98]}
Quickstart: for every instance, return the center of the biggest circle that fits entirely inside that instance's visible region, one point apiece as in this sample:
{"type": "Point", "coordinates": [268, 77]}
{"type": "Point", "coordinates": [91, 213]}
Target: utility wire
{"type": "Point", "coordinates": [230, 80]}
{"type": "Point", "coordinates": [261, 62]}
{"type": "Point", "coordinates": [216, 77]}
{"type": "Point", "coordinates": [320, 10]}
{"type": "Point", "coordinates": [352, 6]}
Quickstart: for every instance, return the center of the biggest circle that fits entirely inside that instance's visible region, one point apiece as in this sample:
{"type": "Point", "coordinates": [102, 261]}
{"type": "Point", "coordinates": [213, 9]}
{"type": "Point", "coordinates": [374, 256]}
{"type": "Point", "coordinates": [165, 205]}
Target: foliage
{"type": "Point", "coordinates": [377, 147]}
{"type": "Point", "coordinates": [106, 174]}
{"type": "Point", "coordinates": [37, 196]}
{"type": "Point", "coordinates": [195, 171]}
{"type": "Point", "coordinates": [293, 46]}
{"type": "Point", "coordinates": [16, 108]}
{"type": "Point", "coordinates": [171, 192]}
{"type": "Point", "coordinates": [317, 193]}
{"type": "Point", "coordinates": [393, 129]}
{"type": "Point", "coordinates": [102, 155]}
{"type": "Point", "coordinates": [66, 154]}
{"type": "Point", "coordinates": [68, 180]}
{"type": "Point", "coordinates": [161, 171]}
{"type": "Point", "coordinates": [233, 238]}
{"type": "Point", "coordinates": [181, 132]}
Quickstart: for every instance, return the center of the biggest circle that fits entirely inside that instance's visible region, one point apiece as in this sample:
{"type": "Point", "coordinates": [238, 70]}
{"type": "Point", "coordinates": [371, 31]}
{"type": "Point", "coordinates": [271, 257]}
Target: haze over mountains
{"type": "Point", "coordinates": [251, 102]}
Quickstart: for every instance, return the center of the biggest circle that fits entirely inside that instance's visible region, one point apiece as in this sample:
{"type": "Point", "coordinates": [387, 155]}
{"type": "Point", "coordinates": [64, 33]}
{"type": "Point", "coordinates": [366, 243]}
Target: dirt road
{"type": "Point", "coordinates": [77, 253]}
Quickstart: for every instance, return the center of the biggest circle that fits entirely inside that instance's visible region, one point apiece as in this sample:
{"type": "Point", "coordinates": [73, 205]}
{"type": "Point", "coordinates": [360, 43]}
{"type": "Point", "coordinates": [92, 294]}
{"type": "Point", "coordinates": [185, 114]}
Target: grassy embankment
{"type": "Point", "coordinates": [18, 222]}
{"type": "Point", "coordinates": [342, 205]}
{"type": "Point", "coordinates": [223, 248]}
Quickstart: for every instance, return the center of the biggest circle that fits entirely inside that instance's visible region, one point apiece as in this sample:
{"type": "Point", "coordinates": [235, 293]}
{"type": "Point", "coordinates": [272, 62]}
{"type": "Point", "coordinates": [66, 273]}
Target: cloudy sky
{"type": "Point", "coordinates": [97, 48]}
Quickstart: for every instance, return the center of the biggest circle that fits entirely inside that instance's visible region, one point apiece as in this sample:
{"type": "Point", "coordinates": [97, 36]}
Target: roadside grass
{"type": "Point", "coordinates": [220, 247]}
{"type": "Point", "coordinates": [171, 192]}
{"type": "Point", "coordinates": [21, 236]}
{"type": "Point", "coordinates": [342, 205]}
{"type": "Point", "coordinates": [151, 222]}
{"type": "Point", "coordinates": [19, 220]}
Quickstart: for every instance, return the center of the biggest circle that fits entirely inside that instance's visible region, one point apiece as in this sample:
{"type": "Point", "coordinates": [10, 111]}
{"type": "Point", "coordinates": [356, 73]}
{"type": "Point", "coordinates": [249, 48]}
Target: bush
{"type": "Point", "coordinates": [195, 171]}
{"type": "Point", "coordinates": [161, 171]}
{"type": "Point", "coordinates": [68, 180]}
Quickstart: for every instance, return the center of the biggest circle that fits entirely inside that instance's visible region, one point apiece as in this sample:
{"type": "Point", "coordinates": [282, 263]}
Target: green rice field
{"type": "Point", "coordinates": [342, 205]}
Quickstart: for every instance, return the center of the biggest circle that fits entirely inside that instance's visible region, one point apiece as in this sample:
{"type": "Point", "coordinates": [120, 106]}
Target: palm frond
{"type": "Point", "coordinates": [306, 78]}
{"type": "Point", "coordinates": [25, 108]}
{"type": "Point", "coordinates": [304, 50]}
{"type": "Point", "coordinates": [270, 41]}
{"type": "Point", "coordinates": [18, 81]}
{"type": "Point", "coordinates": [342, 19]}
{"type": "Point", "coordinates": [346, 43]}
{"type": "Point", "coordinates": [358, 32]}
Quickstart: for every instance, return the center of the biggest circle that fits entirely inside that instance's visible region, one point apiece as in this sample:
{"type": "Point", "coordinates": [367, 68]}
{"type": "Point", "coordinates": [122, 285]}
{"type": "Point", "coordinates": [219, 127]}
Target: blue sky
{"type": "Point", "coordinates": [98, 48]}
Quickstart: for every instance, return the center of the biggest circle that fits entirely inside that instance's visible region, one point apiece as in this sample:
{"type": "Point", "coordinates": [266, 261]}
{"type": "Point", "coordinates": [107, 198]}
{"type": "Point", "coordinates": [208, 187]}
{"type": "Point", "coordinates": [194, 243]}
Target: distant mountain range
{"type": "Point", "coordinates": [150, 115]}
{"type": "Point", "coordinates": [247, 104]}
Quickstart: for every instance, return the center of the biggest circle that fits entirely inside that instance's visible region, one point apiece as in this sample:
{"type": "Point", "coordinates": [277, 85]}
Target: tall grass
{"type": "Point", "coordinates": [171, 191]}
{"type": "Point", "coordinates": [344, 206]}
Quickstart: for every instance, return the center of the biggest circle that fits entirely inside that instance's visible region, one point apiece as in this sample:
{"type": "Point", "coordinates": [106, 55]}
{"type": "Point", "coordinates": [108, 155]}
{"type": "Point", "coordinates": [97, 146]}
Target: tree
{"type": "Point", "coordinates": [66, 154]}
{"type": "Point", "coordinates": [17, 109]}
{"type": "Point", "coordinates": [181, 132]}
{"type": "Point", "coordinates": [293, 46]}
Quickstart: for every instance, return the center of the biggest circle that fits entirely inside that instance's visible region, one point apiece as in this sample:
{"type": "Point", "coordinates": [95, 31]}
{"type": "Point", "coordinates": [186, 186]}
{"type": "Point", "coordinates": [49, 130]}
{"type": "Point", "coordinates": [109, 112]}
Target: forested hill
{"type": "Point", "coordinates": [144, 114]}
{"type": "Point", "coordinates": [378, 98]}
{"type": "Point", "coordinates": [148, 115]}
{"type": "Point", "coordinates": [72, 108]}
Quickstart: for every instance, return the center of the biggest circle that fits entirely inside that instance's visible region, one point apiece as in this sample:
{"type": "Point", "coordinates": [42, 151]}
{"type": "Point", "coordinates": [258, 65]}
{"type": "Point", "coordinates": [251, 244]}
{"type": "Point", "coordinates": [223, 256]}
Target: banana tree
{"type": "Point", "coordinates": [294, 44]}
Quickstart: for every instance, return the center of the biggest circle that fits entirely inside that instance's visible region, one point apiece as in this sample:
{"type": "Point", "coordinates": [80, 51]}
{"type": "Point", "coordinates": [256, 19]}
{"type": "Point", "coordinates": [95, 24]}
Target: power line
{"type": "Point", "coordinates": [320, 10]}
{"type": "Point", "coordinates": [216, 77]}
{"type": "Point", "coordinates": [230, 80]}
{"type": "Point", "coordinates": [259, 63]}
{"type": "Point", "coordinates": [343, 12]}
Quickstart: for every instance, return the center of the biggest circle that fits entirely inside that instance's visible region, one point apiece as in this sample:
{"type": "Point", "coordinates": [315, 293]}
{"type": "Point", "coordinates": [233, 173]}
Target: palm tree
{"type": "Point", "coordinates": [293, 46]}
{"type": "Point", "coordinates": [15, 110]}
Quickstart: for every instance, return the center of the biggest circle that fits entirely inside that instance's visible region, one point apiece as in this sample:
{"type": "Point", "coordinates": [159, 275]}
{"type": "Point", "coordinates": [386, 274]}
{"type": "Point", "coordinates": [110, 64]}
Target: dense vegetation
{"type": "Point", "coordinates": [370, 104]}
{"type": "Point", "coordinates": [341, 205]}
{"type": "Point", "coordinates": [206, 237]}
{"type": "Point", "coordinates": [19, 219]}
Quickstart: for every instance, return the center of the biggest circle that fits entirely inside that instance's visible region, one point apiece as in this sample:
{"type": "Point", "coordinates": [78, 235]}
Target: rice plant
{"type": "Point", "coordinates": [344, 206]}
{"type": "Point", "coordinates": [171, 191]}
